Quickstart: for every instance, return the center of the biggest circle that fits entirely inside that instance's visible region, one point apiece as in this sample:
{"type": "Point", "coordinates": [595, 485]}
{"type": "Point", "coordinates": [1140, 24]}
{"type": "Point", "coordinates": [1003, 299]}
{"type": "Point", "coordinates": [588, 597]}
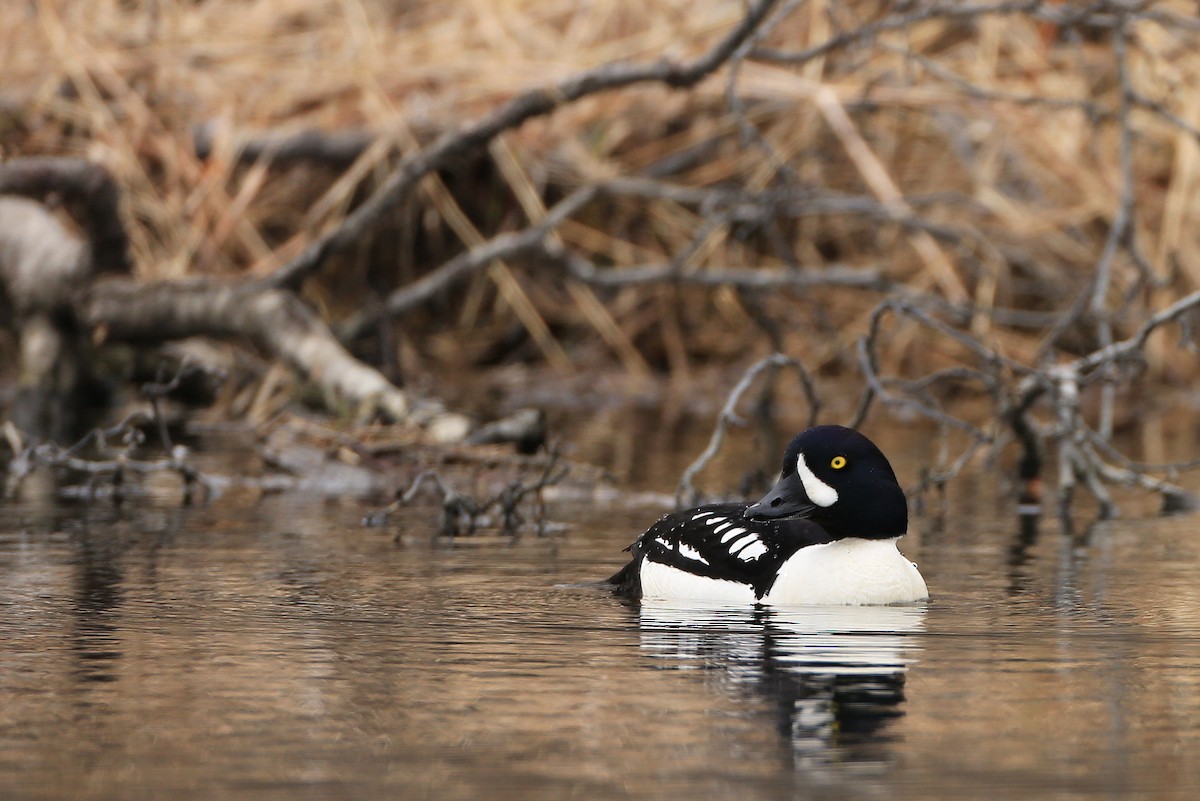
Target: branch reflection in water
{"type": "Point", "coordinates": [835, 674]}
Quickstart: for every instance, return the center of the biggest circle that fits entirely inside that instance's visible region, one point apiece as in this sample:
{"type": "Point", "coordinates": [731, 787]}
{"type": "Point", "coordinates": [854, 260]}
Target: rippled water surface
{"type": "Point", "coordinates": [280, 650]}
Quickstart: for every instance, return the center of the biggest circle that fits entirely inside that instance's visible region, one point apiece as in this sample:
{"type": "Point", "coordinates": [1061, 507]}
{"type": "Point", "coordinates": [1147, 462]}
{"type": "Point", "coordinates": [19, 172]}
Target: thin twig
{"type": "Point", "coordinates": [534, 103]}
{"type": "Point", "coordinates": [462, 513]}
{"type": "Point", "coordinates": [729, 417]}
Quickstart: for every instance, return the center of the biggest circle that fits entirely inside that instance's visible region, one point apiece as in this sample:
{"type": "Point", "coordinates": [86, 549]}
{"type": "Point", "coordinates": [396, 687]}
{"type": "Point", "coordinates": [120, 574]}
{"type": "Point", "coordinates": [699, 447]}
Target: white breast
{"type": "Point", "coordinates": [850, 571]}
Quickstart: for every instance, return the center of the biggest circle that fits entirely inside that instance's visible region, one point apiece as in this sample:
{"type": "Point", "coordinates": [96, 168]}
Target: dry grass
{"type": "Point", "coordinates": [986, 127]}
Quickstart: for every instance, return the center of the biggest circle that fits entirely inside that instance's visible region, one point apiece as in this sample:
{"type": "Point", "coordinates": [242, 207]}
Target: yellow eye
{"type": "Point", "coordinates": [838, 462]}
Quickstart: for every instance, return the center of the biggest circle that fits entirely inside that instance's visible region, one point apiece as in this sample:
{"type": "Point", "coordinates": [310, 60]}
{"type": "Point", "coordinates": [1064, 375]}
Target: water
{"type": "Point", "coordinates": [280, 650]}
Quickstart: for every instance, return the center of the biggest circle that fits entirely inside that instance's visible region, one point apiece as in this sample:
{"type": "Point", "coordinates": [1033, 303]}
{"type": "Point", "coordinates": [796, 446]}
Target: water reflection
{"type": "Point", "coordinates": [1020, 553]}
{"type": "Point", "coordinates": [281, 651]}
{"type": "Point", "coordinates": [1073, 548]}
{"type": "Point", "coordinates": [98, 592]}
{"type": "Point", "coordinates": [834, 675]}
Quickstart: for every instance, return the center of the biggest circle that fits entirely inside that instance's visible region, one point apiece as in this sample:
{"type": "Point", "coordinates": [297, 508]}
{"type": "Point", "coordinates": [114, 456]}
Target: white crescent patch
{"type": "Point", "coordinates": [818, 491]}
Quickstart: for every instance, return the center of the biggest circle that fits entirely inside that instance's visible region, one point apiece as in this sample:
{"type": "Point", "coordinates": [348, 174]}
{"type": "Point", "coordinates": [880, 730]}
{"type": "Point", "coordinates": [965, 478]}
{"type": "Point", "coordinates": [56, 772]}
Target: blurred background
{"type": "Point", "coordinates": [1028, 170]}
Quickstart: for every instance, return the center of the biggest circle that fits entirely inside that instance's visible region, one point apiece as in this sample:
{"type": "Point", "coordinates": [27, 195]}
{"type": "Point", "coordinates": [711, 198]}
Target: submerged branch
{"type": "Point", "coordinates": [465, 514]}
{"type": "Point", "coordinates": [111, 463]}
{"type": "Point", "coordinates": [1015, 389]}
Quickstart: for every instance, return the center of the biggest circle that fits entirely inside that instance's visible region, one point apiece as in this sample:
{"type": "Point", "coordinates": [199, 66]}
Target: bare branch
{"type": "Point", "coordinates": [1015, 388]}
{"type": "Point", "coordinates": [462, 513]}
{"type": "Point", "coordinates": [737, 207]}
{"type": "Point", "coordinates": [900, 21]}
{"type": "Point", "coordinates": [504, 246]}
{"type": "Point", "coordinates": [113, 462]}
{"type": "Point", "coordinates": [273, 319]}
{"type": "Point", "coordinates": [1131, 347]}
{"type": "Point", "coordinates": [1122, 226]}
{"type": "Point", "coordinates": [534, 103]}
{"type": "Point", "coordinates": [82, 183]}
{"type": "Point", "coordinates": [833, 276]}
{"type": "Point", "coordinates": [337, 149]}
{"type": "Point", "coordinates": [685, 491]}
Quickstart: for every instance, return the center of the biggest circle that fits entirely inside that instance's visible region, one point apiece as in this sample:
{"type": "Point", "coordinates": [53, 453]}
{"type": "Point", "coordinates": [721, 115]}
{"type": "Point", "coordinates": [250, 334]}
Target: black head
{"type": "Point", "coordinates": [835, 476]}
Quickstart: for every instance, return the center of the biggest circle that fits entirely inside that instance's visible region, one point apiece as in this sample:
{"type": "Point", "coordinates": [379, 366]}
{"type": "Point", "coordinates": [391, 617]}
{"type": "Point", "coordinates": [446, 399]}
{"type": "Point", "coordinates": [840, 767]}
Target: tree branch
{"type": "Point", "coordinates": [534, 103]}
{"type": "Point", "coordinates": [685, 492]}
{"type": "Point", "coordinates": [273, 319]}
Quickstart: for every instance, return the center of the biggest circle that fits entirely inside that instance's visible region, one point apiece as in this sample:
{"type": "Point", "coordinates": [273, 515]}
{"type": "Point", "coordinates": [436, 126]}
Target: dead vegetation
{"type": "Point", "coordinates": [950, 201]}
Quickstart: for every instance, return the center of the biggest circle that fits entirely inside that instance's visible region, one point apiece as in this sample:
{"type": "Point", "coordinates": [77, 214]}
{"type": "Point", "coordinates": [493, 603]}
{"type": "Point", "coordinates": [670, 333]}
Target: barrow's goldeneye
{"type": "Point", "coordinates": [825, 534]}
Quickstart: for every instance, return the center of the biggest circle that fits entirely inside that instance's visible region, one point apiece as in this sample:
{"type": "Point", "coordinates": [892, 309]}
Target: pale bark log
{"type": "Point", "coordinates": [86, 189]}
{"type": "Point", "coordinates": [272, 319]}
{"type": "Point", "coordinates": [47, 294]}
{"type": "Point", "coordinates": [41, 266]}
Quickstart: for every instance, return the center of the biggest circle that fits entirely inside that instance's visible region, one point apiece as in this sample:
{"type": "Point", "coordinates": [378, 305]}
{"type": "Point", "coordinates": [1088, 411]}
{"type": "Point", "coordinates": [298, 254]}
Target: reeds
{"type": "Point", "coordinates": [978, 153]}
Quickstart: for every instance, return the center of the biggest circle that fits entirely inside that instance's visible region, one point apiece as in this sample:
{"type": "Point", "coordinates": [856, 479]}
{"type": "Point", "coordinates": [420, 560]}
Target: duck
{"type": "Point", "coordinates": [826, 533]}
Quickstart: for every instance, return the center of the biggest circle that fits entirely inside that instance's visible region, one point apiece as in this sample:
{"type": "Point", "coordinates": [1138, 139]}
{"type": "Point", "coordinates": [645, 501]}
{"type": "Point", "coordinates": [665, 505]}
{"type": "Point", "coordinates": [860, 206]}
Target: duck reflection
{"type": "Point", "coordinates": [835, 675]}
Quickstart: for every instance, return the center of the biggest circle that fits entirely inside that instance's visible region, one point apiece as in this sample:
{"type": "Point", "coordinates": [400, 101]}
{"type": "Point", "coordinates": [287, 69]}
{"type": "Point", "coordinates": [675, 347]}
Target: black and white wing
{"type": "Point", "coordinates": [717, 542]}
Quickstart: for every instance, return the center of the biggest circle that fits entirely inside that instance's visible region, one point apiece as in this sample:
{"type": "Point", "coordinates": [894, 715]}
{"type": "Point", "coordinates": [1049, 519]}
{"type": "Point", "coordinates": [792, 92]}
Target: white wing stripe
{"type": "Point", "coordinates": [752, 551]}
{"type": "Point", "coordinates": [733, 532]}
{"type": "Point", "coordinates": [691, 553]}
{"type": "Point", "coordinates": [742, 543]}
